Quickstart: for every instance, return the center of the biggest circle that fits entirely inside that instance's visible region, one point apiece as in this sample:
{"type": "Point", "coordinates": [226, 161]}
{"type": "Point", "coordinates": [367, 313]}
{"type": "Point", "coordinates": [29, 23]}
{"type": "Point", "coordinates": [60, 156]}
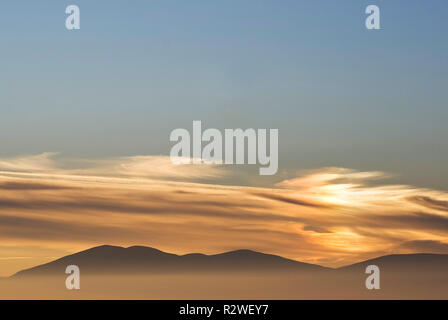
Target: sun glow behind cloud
{"type": "Point", "coordinates": [331, 216]}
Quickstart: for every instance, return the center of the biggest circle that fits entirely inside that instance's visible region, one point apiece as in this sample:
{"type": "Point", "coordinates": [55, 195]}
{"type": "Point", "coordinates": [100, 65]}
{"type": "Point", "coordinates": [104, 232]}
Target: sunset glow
{"type": "Point", "coordinates": [329, 216]}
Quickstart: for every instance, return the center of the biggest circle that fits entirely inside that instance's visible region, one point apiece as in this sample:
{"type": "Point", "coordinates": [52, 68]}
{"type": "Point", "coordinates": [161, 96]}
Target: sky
{"type": "Point", "coordinates": [103, 99]}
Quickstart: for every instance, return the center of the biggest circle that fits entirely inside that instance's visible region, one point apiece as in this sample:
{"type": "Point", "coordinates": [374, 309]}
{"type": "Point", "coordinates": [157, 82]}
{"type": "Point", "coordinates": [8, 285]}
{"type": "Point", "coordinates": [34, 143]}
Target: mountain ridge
{"type": "Point", "coordinates": [143, 259]}
{"type": "Point", "coordinates": [109, 259]}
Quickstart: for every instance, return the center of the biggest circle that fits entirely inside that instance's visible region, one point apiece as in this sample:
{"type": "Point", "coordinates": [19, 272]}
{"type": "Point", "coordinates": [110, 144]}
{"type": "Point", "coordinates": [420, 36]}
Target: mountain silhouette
{"type": "Point", "coordinates": [146, 273]}
{"type": "Point", "coordinates": [139, 259]}
{"type": "Point", "coordinates": [108, 259]}
{"type": "Point", "coordinates": [404, 263]}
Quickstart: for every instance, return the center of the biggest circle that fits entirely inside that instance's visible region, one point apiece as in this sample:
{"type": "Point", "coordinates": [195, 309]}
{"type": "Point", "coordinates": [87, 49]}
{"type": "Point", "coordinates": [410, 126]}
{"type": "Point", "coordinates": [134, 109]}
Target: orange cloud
{"type": "Point", "coordinates": [331, 216]}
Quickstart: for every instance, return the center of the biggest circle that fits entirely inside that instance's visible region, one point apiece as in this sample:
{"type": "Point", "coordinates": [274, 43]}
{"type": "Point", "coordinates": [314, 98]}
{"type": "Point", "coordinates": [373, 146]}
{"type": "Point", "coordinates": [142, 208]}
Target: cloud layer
{"type": "Point", "coordinates": [330, 216]}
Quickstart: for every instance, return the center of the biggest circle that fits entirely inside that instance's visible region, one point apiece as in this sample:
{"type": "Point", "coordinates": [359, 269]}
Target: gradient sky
{"type": "Point", "coordinates": [340, 95]}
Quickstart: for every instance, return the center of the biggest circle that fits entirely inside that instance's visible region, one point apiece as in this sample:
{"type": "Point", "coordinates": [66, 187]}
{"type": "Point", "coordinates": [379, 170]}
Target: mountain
{"type": "Point", "coordinates": [404, 263]}
{"type": "Point", "coordinates": [147, 273]}
{"type": "Point", "coordinates": [138, 259]}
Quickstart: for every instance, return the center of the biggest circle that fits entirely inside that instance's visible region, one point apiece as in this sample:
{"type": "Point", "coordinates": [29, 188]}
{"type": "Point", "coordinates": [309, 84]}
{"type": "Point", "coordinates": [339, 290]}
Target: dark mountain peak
{"type": "Point", "coordinates": [102, 250]}
{"type": "Point", "coordinates": [146, 250]}
{"type": "Point", "coordinates": [246, 254]}
{"type": "Point", "coordinates": [243, 252]}
{"type": "Point", "coordinates": [104, 247]}
{"type": "Point", "coordinates": [114, 252]}
{"type": "Point", "coordinates": [409, 257]}
{"type": "Point", "coordinates": [193, 255]}
{"type": "Point", "coordinates": [405, 262]}
{"type": "Point", "coordinates": [141, 259]}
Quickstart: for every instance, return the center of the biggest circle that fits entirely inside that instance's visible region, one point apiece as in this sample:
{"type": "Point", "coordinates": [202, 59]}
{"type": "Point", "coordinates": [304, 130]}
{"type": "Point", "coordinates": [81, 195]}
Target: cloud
{"type": "Point", "coordinates": [155, 167]}
{"type": "Point", "coordinates": [430, 203]}
{"type": "Point", "coordinates": [332, 216]}
{"type": "Point", "coordinates": [35, 163]}
{"type": "Point", "coordinates": [315, 229]}
{"type": "Point", "coordinates": [425, 246]}
{"type": "Point", "coordinates": [16, 185]}
{"type": "Point", "coordinates": [290, 200]}
{"type": "Point", "coordinates": [418, 220]}
{"type": "Point", "coordinates": [139, 167]}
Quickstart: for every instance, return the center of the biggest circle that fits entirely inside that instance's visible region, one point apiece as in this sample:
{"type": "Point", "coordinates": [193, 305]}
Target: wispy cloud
{"type": "Point", "coordinates": [33, 163]}
{"type": "Point", "coordinates": [331, 216]}
{"type": "Point", "coordinates": [141, 167]}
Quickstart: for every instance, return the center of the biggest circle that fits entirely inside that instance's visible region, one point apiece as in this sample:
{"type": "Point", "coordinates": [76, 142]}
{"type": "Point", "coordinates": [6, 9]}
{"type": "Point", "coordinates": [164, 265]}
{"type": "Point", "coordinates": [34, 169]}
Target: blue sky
{"type": "Point", "coordinates": [339, 94]}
